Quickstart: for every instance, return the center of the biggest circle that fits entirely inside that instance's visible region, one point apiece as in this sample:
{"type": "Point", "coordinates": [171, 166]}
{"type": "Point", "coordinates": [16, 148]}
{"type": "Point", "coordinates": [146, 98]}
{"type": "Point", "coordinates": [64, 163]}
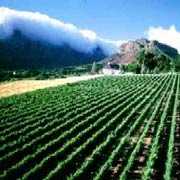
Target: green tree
{"type": "Point", "coordinates": [122, 67]}
{"type": "Point", "coordinates": [163, 62]}
{"type": "Point", "coordinates": [176, 64]}
{"type": "Point", "coordinates": [141, 57]}
{"type": "Point", "coordinates": [146, 60]}
{"type": "Point", "coordinates": [133, 67]}
{"type": "Point", "coordinates": [94, 68]}
{"type": "Point", "coordinates": [143, 69]}
{"type": "Point", "coordinates": [156, 70]}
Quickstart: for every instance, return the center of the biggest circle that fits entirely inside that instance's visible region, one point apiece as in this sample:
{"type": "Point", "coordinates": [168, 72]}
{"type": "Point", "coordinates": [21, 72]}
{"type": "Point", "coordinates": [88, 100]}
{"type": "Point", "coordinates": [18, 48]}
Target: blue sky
{"type": "Point", "coordinates": [110, 19]}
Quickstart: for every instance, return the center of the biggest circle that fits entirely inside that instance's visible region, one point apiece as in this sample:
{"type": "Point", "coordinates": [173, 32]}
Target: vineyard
{"type": "Point", "coordinates": [118, 127]}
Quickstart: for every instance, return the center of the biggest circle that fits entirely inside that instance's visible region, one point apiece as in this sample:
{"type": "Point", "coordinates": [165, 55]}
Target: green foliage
{"type": "Point", "coordinates": [41, 74]}
{"type": "Point", "coordinates": [148, 169]}
{"type": "Point", "coordinates": [154, 62]}
{"type": "Point", "coordinates": [94, 68]}
{"type": "Point", "coordinates": [171, 143]}
{"type": "Point", "coordinates": [176, 64]}
{"type": "Point", "coordinates": [156, 70]}
{"type": "Point", "coordinates": [163, 62]}
{"type": "Point", "coordinates": [143, 69]}
{"type": "Point", "coordinates": [134, 67]}
{"type": "Point", "coordinates": [122, 67]}
{"type": "Point", "coordinates": [62, 132]}
{"type": "Point", "coordinates": [146, 60]}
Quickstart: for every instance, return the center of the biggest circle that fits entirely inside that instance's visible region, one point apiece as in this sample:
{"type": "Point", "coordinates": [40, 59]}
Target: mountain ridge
{"type": "Point", "coordinates": [22, 52]}
{"type": "Point", "coordinates": [128, 52]}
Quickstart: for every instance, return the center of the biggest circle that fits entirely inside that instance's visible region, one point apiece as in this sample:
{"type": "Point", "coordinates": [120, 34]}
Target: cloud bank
{"type": "Point", "coordinates": [42, 27]}
{"type": "Point", "coordinates": [167, 36]}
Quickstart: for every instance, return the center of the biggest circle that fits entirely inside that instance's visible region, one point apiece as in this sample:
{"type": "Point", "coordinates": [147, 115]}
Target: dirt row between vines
{"type": "Point", "coordinates": [18, 87]}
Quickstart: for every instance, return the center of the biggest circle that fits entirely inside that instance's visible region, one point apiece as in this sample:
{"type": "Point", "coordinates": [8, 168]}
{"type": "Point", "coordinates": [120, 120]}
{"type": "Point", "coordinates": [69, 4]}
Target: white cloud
{"type": "Point", "coordinates": [168, 36]}
{"type": "Point", "coordinates": [40, 26]}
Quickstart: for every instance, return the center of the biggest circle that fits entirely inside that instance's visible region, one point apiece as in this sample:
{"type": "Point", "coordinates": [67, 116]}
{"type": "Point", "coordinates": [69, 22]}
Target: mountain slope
{"type": "Point", "coordinates": [21, 52]}
{"type": "Point", "coordinates": [128, 52]}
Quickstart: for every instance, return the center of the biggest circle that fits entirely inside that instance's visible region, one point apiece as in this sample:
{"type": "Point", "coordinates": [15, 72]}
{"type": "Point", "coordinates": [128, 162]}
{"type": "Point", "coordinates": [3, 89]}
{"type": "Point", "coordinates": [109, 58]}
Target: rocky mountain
{"type": "Point", "coordinates": [22, 52]}
{"type": "Point", "coordinates": [128, 52]}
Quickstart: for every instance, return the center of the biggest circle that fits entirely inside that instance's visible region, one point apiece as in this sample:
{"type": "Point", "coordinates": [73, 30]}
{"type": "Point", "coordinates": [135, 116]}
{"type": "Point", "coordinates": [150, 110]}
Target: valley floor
{"type": "Point", "coordinates": [23, 86]}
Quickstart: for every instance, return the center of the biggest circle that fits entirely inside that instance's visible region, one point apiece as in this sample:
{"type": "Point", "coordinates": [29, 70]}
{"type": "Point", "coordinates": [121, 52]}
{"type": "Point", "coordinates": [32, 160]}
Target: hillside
{"type": "Point", "coordinates": [128, 52]}
{"type": "Point", "coordinates": [21, 52]}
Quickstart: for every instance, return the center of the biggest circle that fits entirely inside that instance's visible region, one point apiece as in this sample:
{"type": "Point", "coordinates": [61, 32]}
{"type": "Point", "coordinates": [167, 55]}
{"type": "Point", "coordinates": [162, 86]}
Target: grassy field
{"type": "Point", "coordinates": [118, 127]}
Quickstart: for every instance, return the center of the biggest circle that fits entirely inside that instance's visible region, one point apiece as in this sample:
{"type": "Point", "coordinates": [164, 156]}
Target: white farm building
{"type": "Point", "coordinates": [111, 69]}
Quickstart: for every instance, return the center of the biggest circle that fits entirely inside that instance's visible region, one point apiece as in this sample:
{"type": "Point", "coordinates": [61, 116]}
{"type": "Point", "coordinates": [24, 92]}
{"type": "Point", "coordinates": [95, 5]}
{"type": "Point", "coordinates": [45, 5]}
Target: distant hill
{"type": "Point", "coordinates": [128, 52]}
{"type": "Point", "coordinates": [22, 52]}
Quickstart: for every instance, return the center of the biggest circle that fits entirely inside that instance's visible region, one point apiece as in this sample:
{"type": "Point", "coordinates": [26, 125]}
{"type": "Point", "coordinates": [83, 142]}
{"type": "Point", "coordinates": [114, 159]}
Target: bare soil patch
{"type": "Point", "coordinates": [23, 86]}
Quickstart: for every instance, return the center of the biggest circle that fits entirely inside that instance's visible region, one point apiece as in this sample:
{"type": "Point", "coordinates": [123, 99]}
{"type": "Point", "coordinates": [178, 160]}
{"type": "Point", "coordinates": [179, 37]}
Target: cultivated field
{"type": "Point", "coordinates": [124, 127]}
{"type": "Point", "coordinates": [19, 87]}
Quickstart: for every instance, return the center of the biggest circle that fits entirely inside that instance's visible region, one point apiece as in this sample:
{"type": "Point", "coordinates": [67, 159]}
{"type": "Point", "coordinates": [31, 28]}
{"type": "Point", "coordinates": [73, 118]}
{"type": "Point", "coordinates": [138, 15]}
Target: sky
{"type": "Point", "coordinates": [112, 19]}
